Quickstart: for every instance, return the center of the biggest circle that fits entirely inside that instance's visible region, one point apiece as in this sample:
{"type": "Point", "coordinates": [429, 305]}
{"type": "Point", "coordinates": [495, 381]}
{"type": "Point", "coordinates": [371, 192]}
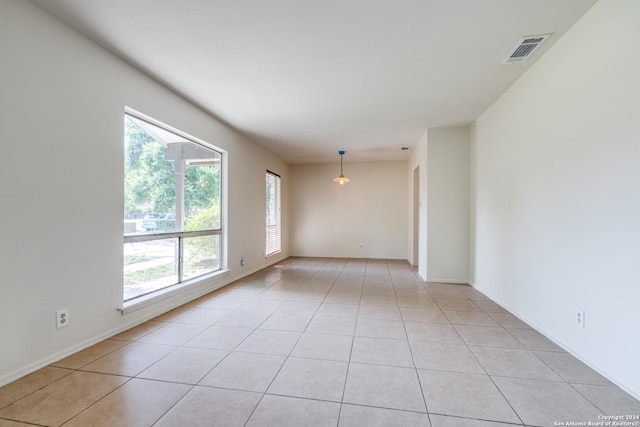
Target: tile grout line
{"type": "Point", "coordinates": [415, 368]}
{"type": "Point", "coordinates": [304, 273]}
{"type": "Point", "coordinates": [267, 388]}
{"type": "Point", "coordinates": [279, 369]}
{"type": "Point", "coordinates": [97, 401]}
{"type": "Point", "coordinates": [492, 381]}
{"type": "Point", "coordinates": [353, 338]}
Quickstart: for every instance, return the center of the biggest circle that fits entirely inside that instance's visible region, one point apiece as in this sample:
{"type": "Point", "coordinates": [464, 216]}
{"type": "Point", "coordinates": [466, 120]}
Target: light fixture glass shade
{"type": "Point", "coordinates": [341, 179]}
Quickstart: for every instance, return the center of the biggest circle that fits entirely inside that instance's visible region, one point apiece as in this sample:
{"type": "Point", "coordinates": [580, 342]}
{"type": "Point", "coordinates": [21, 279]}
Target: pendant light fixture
{"type": "Point", "coordinates": [341, 179]}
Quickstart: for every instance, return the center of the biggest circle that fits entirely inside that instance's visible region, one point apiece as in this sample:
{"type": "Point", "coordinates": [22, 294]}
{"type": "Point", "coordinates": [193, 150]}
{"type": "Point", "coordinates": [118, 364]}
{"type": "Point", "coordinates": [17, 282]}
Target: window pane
{"type": "Point", "coordinates": [273, 238]}
{"type": "Point", "coordinates": [201, 255]}
{"type": "Point", "coordinates": [149, 266]}
{"type": "Point", "coordinates": [149, 183]}
{"type": "Point", "coordinates": [202, 196]}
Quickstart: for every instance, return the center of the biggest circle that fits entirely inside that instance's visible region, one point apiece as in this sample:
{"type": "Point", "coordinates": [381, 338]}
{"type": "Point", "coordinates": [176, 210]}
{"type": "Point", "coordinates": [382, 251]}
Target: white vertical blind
{"type": "Point", "coordinates": [273, 236]}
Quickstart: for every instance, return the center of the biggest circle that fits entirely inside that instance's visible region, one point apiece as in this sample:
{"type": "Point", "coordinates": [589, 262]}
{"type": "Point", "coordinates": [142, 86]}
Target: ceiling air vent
{"type": "Point", "coordinates": [525, 48]}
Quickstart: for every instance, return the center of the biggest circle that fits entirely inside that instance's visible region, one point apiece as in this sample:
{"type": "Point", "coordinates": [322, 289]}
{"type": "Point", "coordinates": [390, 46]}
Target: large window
{"type": "Point", "coordinates": [172, 192]}
{"type": "Point", "coordinates": [273, 239]}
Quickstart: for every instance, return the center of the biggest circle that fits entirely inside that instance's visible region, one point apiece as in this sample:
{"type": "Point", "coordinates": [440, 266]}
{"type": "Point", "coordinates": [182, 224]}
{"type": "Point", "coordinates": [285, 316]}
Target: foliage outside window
{"type": "Point", "coordinates": [273, 231]}
{"type": "Point", "coordinates": [172, 222]}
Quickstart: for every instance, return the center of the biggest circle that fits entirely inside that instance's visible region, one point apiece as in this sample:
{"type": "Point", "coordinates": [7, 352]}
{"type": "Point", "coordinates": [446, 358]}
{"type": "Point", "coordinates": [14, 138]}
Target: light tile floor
{"type": "Point", "coordinates": [321, 342]}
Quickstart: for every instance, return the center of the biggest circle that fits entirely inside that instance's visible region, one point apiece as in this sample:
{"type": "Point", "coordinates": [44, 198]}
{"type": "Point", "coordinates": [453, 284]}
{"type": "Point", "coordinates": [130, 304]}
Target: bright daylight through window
{"type": "Point", "coordinates": [172, 193]}
{"type": "Point", "coordinates": [273, 214]}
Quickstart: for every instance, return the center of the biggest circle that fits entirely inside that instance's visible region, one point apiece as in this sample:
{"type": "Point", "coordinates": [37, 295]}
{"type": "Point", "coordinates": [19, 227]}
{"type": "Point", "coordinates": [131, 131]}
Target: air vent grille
{"type": "Point", "coordinates": [525, 48]}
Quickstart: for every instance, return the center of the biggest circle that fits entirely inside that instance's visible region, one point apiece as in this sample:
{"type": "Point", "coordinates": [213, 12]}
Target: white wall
{"type": "Point", "coordinates": [61, 186]}
{"type": "Point", "coordinates": [557, 203]}
{"type": "Point", "coordinates": [448, 205]}
{"type": "Point", "coordinates": [443, 158]}
{"type": "Point", "coordinates": [333, 220]}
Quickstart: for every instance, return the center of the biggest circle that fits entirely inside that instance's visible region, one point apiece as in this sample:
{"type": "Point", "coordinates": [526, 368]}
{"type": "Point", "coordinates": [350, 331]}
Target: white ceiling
{"type": "Point", "coordinates": [306, 78]}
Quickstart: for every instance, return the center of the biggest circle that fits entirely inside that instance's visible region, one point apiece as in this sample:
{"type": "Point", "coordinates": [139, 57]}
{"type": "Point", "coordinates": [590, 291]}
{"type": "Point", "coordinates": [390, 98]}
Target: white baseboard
{"type": "Point", "coordinates": [162, 307]}
{"type": "Point", "coordinates": [445, 280]}
{"type": "Point", "coordinates": [633, 391]}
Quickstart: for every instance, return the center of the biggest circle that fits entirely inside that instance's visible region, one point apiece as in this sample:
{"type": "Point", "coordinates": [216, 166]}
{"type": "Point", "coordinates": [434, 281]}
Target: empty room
{"type": "Point", "coordinates": [330, 213]}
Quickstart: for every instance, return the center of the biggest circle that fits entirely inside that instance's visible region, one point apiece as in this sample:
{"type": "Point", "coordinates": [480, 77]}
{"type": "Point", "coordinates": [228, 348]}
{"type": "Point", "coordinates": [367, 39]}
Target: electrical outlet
{"type": "Point", "coordinates": [62, 318]}
{"type": "Point", "coordinates": [580, 317]}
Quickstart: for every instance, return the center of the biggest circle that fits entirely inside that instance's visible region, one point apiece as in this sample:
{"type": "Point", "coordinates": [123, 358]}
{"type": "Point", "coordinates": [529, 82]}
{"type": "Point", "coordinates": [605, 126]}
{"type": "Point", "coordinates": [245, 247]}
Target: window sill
{"type": "Point", "coordinates": [163, 294]}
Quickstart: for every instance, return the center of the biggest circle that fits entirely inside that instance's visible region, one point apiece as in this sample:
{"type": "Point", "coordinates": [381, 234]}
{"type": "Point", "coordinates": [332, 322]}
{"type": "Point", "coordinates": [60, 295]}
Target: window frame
{"type": "Point", "coordinates": [143, 298]}
{"type": "Point", "coordinates": [271, 247]}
